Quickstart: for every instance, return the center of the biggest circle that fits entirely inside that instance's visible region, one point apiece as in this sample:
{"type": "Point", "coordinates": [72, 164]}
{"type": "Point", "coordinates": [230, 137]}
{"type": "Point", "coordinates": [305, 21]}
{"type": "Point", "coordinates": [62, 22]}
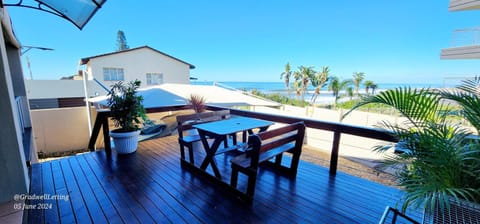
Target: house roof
{"type": "Point", "coordinates": [172, 94]}
{"type": "Point", "coordinates": [84, 61]}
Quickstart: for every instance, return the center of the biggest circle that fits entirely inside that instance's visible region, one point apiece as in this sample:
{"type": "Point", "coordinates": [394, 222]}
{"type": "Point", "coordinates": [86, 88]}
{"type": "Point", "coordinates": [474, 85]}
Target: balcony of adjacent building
{"type": "Point", "coordinates": [461, 5]}
{"type": "Point", "coordinates": [465, 44]}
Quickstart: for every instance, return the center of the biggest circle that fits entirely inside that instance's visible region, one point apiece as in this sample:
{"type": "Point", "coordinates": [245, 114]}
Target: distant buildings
{"type": "Point", "coordinates": [146, 64]}
{"type": "Point", "coordinates": [465, 43]}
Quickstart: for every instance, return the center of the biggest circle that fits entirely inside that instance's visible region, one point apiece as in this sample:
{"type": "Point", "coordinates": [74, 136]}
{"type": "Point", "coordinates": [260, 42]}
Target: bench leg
{"type": "Point", "coordinates": [190, 153]}
{"type": "Point", "coordinates": [294, 164]}
{"type": "Point", "coordinates": [234, 178]}
{"type": "Point", "coordinates": [252, 180]}
{"type": "Point", "coordinates": [278, 160]}
{"type": "Point", "coordinates": [182, 150]}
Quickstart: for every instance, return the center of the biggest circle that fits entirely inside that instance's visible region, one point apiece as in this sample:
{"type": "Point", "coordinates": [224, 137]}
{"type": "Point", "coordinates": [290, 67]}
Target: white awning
{"type": "Point", "coordinates": [178, 94]}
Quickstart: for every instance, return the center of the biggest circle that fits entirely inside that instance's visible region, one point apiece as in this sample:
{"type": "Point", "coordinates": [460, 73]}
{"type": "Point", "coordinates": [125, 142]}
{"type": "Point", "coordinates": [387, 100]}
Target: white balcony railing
{"type": "Point", "coordinates": [461, 5]}
{"type": "Point", "coordinates": [465, 37]}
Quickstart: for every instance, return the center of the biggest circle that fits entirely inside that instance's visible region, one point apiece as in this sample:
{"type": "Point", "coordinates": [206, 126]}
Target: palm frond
{"type": "Point", "coordinates": [417, 105]}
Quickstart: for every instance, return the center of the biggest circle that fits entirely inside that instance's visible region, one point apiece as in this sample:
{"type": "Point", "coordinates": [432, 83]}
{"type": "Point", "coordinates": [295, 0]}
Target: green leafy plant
{"type": "Point", "coordinates": [126, 106]}
{"type": "Point", "coordinates": [440, 159]}
{"type": "Point", "coordinates": [197, 102]}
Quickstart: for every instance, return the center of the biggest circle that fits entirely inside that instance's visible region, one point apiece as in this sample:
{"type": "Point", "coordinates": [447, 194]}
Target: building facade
{"type": "Point", "coordinates": [465, 43]}
{"type": "Point", "coordinates": [150, 66]}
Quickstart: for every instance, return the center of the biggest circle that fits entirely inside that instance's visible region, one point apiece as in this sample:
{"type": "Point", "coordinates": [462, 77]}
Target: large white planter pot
{"type": "Point", "coordinates": [125, 143]}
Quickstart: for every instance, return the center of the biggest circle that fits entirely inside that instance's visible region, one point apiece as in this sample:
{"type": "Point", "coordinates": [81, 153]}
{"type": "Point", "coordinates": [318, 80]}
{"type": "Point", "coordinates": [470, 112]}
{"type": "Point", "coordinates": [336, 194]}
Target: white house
{"type": "Point", "coordinates": [150, 66]}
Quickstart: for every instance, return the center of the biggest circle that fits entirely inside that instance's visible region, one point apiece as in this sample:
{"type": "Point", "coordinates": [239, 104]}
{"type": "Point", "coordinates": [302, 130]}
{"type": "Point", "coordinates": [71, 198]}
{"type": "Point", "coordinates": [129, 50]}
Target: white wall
{"type": "Point", "coordinates": [14, 176]}
{"type": "Point", "coordinates": [137, 63]}
{"type": "Point", "coordinates": [45, 89]}
{"type": "Point", "coordinates": [60, 129]}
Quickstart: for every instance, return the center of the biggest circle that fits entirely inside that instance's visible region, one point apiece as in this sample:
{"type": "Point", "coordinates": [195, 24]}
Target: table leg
{"type": "Point", "coordinates": [210, 150]}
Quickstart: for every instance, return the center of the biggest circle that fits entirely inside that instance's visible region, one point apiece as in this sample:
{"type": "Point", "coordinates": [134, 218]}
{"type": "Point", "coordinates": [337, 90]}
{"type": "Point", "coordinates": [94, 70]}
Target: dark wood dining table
{"type": "Point", "coordinates": [219, 132]}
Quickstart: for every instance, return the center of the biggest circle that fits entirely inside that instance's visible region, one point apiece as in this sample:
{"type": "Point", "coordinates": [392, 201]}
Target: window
{"type": "Point", "coordinates": [113, 74]}
{"type": "Point", "coordinates": [154, 78]}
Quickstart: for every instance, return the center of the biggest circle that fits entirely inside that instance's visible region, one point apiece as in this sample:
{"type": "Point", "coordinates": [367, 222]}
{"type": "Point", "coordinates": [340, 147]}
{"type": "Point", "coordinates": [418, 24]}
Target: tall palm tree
{"type": "Point", "coordinates": [373, 86]}
{"type": "Point", "coordinates": [297, 87]}
{"type": "Point", "coordinates": [440, 162]}
{"type": "Point", "coordinates": [336, 85]}
{"type": "Point", "coordinates": [302, 76]}
{"type": "Point", "coordinates": [286, 75]}
{"type": "Point", "coordinates": [319, 81]}
{"type": "Point", "coordinates": [367, 85]}
{"type": "Point", "coordinates": [357, 80]}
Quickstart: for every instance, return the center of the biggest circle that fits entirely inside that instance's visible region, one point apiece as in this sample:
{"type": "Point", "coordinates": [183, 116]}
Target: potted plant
{"type": "Point", "coordinates": [197, 102]}
{"type": "Point", "coordinates": [125, 110]}
{"type": "Point", "coordinates": [439, 167]}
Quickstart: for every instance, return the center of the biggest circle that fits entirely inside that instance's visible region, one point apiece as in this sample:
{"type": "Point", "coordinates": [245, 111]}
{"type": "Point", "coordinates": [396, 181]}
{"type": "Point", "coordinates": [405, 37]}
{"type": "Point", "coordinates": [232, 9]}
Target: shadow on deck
{"type": "Point", "coordinates": [151, 186]}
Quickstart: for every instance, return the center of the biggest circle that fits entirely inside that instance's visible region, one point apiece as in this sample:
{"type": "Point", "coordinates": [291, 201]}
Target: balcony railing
{"type": "Point", "coordinates": [461, 5]}
{"type": "Point", "coordinates": [338, 129]}
{"type": "Point", "coordinates": [465, 37]}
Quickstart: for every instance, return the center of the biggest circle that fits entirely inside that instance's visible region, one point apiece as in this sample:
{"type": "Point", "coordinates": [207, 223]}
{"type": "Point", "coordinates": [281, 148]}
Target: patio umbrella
{"type": "Point", "coordinates": [78, 12]}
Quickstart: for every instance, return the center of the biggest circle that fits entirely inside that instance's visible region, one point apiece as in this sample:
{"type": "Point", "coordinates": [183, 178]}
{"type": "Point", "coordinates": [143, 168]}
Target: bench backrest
{"type": "Point", "coordinates": [269, 141]}
{"type": "Point", "coordinates": [185, 122]}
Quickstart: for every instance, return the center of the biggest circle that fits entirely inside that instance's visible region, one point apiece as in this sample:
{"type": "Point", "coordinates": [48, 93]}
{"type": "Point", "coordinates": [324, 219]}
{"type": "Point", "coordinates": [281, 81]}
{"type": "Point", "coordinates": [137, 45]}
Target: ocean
{"type": "Point", "coordinates": [325, 95]}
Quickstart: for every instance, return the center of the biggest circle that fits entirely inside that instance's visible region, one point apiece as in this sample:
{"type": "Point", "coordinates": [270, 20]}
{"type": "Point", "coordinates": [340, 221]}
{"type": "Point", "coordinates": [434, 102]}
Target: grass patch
{"type": "Point", "coordinates": [280, 98]}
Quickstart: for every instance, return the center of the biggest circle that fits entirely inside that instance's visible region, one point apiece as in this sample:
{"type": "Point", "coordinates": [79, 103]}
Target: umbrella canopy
{"type": "Point", "coordinates": [78, 12]}
{"type": "Point", "coordinates": [178, 94]}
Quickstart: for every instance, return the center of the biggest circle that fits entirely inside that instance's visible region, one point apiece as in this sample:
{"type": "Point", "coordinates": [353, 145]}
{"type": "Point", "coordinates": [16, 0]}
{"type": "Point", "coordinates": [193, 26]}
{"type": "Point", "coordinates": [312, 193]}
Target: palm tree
{"type": "Point", "coordinates": [302, 76]}
{"type": "Point", "coordinates": [286, 75]}
{"type": "Point", "coordinates": [319, 81]}
{"type": "Point", "coordinates": [297, 86]}
{"type": "Point", "coordinates": [336, 85]}
{"type": "Point", "coordinates": [440, 163]}
{"type": "Point", "coordinates": [350, 92]}
{"type": "Point", "coordinates": [373, 86]}
{"type": "Point", "coordinates": [367, 85]}
{"type": "Point", "coordinates": [357, 79]}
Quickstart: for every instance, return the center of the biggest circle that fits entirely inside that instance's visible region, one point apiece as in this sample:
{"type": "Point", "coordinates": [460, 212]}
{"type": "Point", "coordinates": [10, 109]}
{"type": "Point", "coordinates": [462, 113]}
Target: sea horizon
{"type": "Point", "coordinates": [325, 97]}
{"type": "Point", "coordinates": [270, 86]}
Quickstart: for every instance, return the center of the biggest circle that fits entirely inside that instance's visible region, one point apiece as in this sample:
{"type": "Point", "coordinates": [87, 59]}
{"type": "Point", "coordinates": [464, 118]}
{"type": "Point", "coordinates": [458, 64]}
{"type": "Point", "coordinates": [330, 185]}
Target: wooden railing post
{"type": "Point", "coordinates": [334, 156]}
{"type": "Point", "coordinates": [96, 129]}
{"type": "Point", "coordinates": [101, 122]}
{"type": "Point", "coordinates": [106, 136]}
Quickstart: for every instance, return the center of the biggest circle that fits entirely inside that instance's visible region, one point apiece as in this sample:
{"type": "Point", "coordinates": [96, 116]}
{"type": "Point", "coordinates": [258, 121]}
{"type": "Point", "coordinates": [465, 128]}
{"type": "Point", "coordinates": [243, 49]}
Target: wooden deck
{"type": "Point", "coordinates": [150, 186]}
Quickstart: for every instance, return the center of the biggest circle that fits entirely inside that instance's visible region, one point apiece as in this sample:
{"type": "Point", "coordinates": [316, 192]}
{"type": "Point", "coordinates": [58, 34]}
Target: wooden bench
{"type": "Point", "coordinates": [263, 147]}
{"type": "Point", "coordinates": [187, 135]}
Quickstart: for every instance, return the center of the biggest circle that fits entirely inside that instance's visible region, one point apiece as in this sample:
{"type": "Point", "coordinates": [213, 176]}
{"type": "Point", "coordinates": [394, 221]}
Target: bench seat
{"type": "Point", "coordinates": [263, 147]}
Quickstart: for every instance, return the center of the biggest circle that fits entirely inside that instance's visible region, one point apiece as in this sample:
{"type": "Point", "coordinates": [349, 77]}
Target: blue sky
{"type": "Point", "coordinates": [251, 40]}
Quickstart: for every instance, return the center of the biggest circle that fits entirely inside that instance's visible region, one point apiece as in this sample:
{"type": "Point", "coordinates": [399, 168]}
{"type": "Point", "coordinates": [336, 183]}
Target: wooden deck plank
{"type": "Point", "coordinates": [106, 205]}
{"type": "Point", "coordinates": [65, 210]}
{"type": "Point", "coordinates": [121, 205]}
{"type": "Point", "coordinates": [36, 189]}
{"type": "Point", "coordinates": [272, 204]}
{"type": "Point", "coordinates": [211, 191]}
{"type": "Point", "coordinates": [193, 195]}
{"type": "Point", "coordinates": [79, 205]}
{"type": "Point", "coordinates": [138, 185]}
{"type": "Point", "coordinates": [126, 205]}
{"type": "Point", "coordinates": [92, 204]}
{"type": "Point", "coordinates": [51, 214]}
{"type": "Point", "coordinates": [151, 186]}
